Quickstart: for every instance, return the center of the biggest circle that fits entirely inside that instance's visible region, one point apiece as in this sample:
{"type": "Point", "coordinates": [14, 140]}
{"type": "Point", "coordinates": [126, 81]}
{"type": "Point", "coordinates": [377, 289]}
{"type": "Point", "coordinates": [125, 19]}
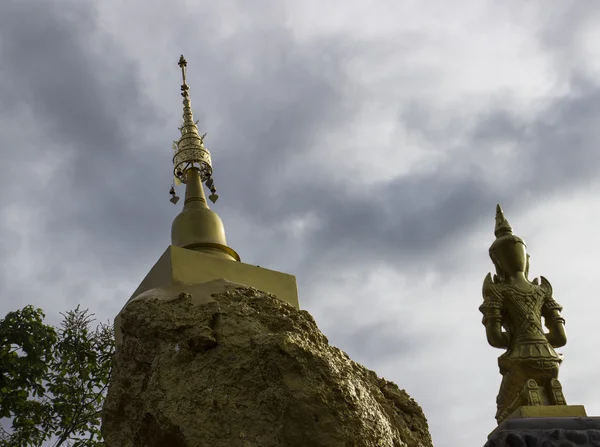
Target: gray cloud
{"type": "Point", "coordinates": [87, 108]}
{"type": "Point", "coordinates": [270, 115]}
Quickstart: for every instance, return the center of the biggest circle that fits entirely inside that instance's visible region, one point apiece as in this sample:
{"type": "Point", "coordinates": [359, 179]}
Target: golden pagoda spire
{"type": "Point", "coordinates": [196, 227]}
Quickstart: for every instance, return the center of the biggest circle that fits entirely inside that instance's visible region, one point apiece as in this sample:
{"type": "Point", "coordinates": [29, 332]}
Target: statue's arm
{"type": "Point", "coordinates": [492, 316]}
{"type": "Point", "coordinates": [556, 335]}
{"type": "Point", "coordinates": [493, 331]}
{"type": "Point", "coordinates": [553, 319]}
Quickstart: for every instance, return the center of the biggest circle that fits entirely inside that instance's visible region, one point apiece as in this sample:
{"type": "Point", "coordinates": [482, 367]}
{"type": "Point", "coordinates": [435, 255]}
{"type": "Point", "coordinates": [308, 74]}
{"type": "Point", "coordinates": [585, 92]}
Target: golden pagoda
{"type": "Point", "coordinates": [199, 252]}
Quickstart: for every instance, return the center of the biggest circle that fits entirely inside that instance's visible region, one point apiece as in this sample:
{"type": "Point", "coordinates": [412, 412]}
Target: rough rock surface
{"type": "Point", "coordinates": [545, 438]}
{"type": "Point", "coordinates": [242, 368]}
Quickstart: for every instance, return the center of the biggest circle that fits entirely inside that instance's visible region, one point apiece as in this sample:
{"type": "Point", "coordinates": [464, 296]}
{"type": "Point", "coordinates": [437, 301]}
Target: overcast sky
{"type": "Point", "coordinates": [361, 146]}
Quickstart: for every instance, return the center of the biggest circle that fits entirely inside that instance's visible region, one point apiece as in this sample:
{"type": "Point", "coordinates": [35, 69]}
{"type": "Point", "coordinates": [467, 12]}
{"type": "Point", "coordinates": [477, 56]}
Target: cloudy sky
{"type": "Point", "coordinates": [361, 146]}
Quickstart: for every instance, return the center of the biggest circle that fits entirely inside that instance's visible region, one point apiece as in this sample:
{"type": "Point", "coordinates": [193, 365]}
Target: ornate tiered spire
{"type": "Point", "coordinates": [196, 227]}
{"type": "Point", "coordinates": [189, 150]}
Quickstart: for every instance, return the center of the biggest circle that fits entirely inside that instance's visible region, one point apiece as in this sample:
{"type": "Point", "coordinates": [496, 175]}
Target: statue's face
{"type": "Point", "coordinates": [512, 257]}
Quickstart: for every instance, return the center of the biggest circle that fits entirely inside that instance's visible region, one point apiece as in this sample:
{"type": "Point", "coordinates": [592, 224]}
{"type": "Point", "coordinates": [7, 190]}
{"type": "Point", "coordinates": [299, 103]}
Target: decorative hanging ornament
{"type": "Point", "coordinates": [210, 184]}
{"type": "Point", "coordinates": [174, 198]}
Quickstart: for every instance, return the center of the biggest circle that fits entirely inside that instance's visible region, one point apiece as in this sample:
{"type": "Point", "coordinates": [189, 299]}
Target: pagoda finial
{"type": "Point", "coordinates": [189, 150]}
{"type": "Point", "coordinates": [183, 65]}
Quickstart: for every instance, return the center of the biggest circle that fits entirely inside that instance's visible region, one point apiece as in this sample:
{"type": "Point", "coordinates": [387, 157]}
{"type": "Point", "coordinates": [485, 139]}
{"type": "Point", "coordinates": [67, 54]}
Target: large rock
{"type": "Point", "coordinates": [224, 365]}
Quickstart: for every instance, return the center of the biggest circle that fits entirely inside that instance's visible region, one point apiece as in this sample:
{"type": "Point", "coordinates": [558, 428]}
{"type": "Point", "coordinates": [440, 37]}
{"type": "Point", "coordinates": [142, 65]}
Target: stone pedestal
{"type": "Point", "coordinates": [527, 431]}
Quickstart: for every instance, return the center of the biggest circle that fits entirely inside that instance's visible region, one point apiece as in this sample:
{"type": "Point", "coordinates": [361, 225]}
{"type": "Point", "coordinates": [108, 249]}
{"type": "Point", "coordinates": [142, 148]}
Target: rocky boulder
{"type": "Point", "coordinates": [225, 365]}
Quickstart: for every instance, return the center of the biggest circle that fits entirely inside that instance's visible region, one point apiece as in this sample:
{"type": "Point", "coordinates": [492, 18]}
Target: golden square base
{"type": "Point", "coordinates": [548, 411]}
{"type": "Point", "coordinates": [182, 269]}
{"type": "Point", "coordinates": [182, 266]}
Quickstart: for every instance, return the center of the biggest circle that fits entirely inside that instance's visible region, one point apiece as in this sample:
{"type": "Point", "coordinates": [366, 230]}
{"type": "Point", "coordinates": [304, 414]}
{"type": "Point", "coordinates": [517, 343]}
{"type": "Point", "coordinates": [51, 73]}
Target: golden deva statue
{"type": "Point", "coordinates": [530, 364]}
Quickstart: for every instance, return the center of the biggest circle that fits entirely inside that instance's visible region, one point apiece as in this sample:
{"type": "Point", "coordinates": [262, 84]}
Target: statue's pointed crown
{"type": "Point", "coordinates": [502, 225]}
{"type": "Point", "coordinates": [503, 230]}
